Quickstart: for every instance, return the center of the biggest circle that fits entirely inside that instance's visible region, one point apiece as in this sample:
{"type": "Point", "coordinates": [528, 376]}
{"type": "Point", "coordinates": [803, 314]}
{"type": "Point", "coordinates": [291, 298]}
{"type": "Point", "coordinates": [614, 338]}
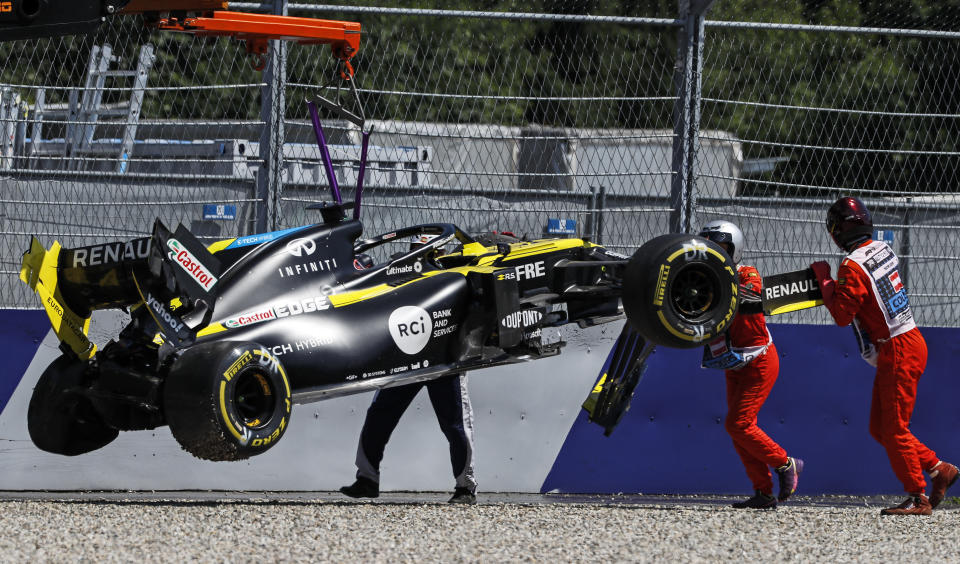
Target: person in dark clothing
{"type": "Point", "coordinates": [451, 403]}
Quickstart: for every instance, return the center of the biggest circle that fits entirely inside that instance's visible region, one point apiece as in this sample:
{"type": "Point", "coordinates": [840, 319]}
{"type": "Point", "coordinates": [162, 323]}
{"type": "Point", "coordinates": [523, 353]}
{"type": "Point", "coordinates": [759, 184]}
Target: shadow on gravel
{"type": "Point", "coordinates": [637, 501]}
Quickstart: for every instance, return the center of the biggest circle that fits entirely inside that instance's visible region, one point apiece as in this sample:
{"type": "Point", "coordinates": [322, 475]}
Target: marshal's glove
{"type": "Point", "coordinates": [828, 286]}
{"type": "Point", "coordinates": [750, 300]}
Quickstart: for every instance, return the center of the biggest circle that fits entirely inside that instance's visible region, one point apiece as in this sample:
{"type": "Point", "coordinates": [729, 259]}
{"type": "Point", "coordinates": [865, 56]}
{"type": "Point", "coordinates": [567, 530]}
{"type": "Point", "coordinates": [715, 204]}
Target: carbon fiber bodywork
{"type": "Point", "coordinates": [319, 316]}
{"type": "Point", "coordinates": [337, 326]}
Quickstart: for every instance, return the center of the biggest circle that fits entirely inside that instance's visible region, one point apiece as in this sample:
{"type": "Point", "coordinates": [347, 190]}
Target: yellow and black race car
{"type": "Point", "coordinates": [224, 339]}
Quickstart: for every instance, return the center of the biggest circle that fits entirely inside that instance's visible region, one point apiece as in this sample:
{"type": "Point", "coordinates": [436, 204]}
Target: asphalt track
{"type": "Point", "coordinates": [216, 526]}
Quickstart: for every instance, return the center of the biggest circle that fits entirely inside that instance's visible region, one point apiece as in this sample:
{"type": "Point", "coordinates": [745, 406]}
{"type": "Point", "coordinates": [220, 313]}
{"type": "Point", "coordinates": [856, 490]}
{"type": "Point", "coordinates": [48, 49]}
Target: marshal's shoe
{"type": "Point", "coordinates": [943, 475]}
{"type": "Point", "coordinates": [916, 504]}
{"type": "Point", "coordinates": [789, 475]}
{"type": "Point", "coordinates": [759, 500]}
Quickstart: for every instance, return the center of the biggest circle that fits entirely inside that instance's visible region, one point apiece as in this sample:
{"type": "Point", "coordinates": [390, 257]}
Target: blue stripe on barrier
{"type": "Point", "coordinates": [21, 332]}
{"type": "Point", "coordinates": [673, 439]}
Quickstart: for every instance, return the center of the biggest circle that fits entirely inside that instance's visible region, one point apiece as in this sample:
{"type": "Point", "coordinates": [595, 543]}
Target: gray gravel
{"type": "Point", "coordinates": [419, 527]}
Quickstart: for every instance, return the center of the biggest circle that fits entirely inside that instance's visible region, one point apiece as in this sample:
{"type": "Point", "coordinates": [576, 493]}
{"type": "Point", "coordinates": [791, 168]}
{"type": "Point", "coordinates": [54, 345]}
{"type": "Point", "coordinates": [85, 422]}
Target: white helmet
{"type": "Point", "coordinates": [720, 231]}
{"type": "Point", "coordinates": [421, 239]}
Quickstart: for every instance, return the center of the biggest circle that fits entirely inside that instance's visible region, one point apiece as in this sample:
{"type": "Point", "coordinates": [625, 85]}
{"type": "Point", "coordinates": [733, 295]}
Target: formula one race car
{"type": "Point", "coordinates": [224, 339]}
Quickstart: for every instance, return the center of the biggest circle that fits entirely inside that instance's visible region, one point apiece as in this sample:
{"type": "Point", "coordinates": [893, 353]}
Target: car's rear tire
{"type": "Point", "coordinates": [59, 419]}
{"type": "Point", "coordinates": [680, 290]}
{"type": "Point", "coordinates": [227, 400]}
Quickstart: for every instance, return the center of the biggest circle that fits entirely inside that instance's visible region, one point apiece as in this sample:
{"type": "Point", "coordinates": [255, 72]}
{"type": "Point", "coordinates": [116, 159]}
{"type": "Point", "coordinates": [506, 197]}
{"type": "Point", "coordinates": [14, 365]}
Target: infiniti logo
{"type": "Point", "coordinates": [301, 247]}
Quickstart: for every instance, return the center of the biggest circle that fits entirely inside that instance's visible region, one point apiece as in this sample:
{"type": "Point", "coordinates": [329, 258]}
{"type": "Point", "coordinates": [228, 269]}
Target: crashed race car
{"type": "Point", "coordinates": [223, 340]}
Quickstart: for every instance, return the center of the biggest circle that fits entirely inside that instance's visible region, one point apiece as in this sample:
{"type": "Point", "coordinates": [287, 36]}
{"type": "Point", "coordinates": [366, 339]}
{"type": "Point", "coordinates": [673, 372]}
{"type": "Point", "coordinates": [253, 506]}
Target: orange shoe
{"type": "Point", "coordinates": [943, 475]}
{"type": "Point", "coordinates": [916, 504]}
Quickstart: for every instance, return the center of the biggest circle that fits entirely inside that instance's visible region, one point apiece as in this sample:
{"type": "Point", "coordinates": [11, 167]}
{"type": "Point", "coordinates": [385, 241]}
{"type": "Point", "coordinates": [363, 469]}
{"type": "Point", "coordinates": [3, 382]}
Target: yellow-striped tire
{"type": "Point", "coordinates": [680, 290]}
{"type": "Point", "coordinates": [227, 400]}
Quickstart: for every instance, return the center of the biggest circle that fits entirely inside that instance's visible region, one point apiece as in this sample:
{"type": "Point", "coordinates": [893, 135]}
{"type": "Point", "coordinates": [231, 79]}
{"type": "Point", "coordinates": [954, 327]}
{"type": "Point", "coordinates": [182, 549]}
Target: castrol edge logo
{"type": "Point", "coordinates": [188, 262]}
{"type": "Point", "coordinates": [278, 310]}
{"type": "Point", "coordinates": [250, 318]}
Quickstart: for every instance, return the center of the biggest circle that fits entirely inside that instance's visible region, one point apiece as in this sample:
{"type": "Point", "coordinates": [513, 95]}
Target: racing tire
{"type": "Point", "coordinates": [680, 290]}
{"type": "Point", "coordinates": [228, 400]}
{"type": "Point", "coordinates": [60, 420]}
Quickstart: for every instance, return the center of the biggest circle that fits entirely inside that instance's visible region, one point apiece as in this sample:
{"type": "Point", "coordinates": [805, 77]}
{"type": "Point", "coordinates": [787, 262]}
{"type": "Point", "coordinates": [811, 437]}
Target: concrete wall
{"type": "Point", "coordinates": [531, 433]}
{"type": "Point", "coordinates": [523, 413]}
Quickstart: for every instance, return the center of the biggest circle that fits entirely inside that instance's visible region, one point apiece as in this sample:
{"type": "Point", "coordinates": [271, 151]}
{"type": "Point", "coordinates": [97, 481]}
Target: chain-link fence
{"type": "Point", "coordinates": [617, 120]}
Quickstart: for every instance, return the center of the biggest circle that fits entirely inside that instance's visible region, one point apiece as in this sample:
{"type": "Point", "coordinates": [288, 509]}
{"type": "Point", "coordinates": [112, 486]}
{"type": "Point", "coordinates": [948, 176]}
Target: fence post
{"type": "Point", "coordinates": [588, 220]}
{"type": "Point", "coordinates": [905, 249]}
{"type": "Point", "coordinates": [686, 113]}
{"type": "Point", "coordinates": [601, 205]}
{"type": "Point", "coordinates": [272, 109]}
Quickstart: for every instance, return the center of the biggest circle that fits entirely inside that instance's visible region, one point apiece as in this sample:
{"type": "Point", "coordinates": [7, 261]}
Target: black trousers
{"type": "Point", "coordinates": [451, 404]}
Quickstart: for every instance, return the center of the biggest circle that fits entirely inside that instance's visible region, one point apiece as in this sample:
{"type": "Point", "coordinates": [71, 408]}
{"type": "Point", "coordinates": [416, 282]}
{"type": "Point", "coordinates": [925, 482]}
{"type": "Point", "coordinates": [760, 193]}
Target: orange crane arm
{"type": "Point", "coordinates": [30, 19]}
{"type": "Point", "coordinates": [257, 29]}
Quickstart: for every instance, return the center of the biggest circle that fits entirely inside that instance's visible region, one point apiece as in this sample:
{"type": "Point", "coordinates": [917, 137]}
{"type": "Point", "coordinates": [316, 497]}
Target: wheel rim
{"type": "Point", "coordinates": [254, 398]}
{"type": "Point", "coordinates": [693, 292]}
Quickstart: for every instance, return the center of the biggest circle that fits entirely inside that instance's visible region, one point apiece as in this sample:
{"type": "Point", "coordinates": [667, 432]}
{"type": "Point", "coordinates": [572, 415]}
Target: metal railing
{"type": "Point", "coordinates": [629, 122]}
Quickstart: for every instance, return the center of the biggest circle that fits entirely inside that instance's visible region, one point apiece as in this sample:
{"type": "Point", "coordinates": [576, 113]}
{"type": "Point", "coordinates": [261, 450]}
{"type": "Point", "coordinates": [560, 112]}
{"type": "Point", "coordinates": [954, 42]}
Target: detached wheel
{"type": "Point", "coordinates": [227, 401]}
{"type": "Point", "coordinates": [680, 290]}
{"type": "Point", "coordinates": [59, 419]}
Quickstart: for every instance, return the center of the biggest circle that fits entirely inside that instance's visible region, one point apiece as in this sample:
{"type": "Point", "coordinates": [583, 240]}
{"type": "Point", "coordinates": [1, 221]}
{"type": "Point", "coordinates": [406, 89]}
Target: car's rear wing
{"type": "Point", "coordinates": [172, 274]}
{"type": "Point", "coordinates": [38, 270]}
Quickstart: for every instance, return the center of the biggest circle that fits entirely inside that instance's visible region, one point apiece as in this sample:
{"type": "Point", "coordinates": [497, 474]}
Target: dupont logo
{"type": "Point", "coordinates": [191, 264]}
{"type": "Point", "coordinates": [521, 319]}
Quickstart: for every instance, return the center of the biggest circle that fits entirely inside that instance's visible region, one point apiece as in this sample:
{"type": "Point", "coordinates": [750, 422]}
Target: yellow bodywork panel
{"type": "Point", "coordinates": [354, 296]}
{"type": "Point", "coordinates": [591, 402]}
{"type": "Point", "coordinates": [795, 307]}
{"type": "Point", "coordinates": [217, 246]}
{"type": "Point", "coordinates": [527, 249]}
{"type": "Point", "coordinates": [38, 270]}
{"type": "Point", "coordinates": [517, 251]}
{"type": "Point", "coordinates": [211, 329]}
{"type": "Point", "coordinates": [473, 249]}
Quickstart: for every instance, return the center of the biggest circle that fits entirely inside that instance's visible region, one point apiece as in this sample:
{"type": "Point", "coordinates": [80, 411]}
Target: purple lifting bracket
{"type": "Point", "coordinates": [365, 136]}
{"type": "Point", "coordinates": [325, 153]}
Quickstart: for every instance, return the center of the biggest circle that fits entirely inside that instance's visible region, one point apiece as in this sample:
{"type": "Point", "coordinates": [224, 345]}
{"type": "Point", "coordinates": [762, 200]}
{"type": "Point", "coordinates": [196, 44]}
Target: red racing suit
{"type": "Point", "coordinates": [748, 388]}
{"type": "Point", "coordinates": [870, 294]}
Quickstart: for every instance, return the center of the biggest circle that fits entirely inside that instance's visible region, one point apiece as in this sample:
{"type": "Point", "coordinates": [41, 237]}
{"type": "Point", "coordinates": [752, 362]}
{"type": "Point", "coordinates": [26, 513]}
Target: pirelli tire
{"type": "Point", "coordinates": [61, 420]}
{"type": "Point", "coordinates": [680, 290]}
{"type": "Point", "coordinates": [227, 400]}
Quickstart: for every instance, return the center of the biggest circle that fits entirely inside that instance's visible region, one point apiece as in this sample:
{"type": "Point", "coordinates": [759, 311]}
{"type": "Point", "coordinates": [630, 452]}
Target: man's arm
{"type": "Point", "coordinates": [844, 296]}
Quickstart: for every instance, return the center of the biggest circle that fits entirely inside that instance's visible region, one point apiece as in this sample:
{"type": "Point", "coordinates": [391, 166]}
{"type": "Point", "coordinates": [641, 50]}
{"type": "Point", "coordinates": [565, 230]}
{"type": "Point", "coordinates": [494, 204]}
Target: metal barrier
{"type": "Point", "coordinates": [620, 121]}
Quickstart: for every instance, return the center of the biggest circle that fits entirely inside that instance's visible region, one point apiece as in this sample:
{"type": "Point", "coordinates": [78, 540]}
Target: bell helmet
{"type": "Point", "coordinates": [720, 231]}
{"type": "Point", "coordinates": [849, 222]}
